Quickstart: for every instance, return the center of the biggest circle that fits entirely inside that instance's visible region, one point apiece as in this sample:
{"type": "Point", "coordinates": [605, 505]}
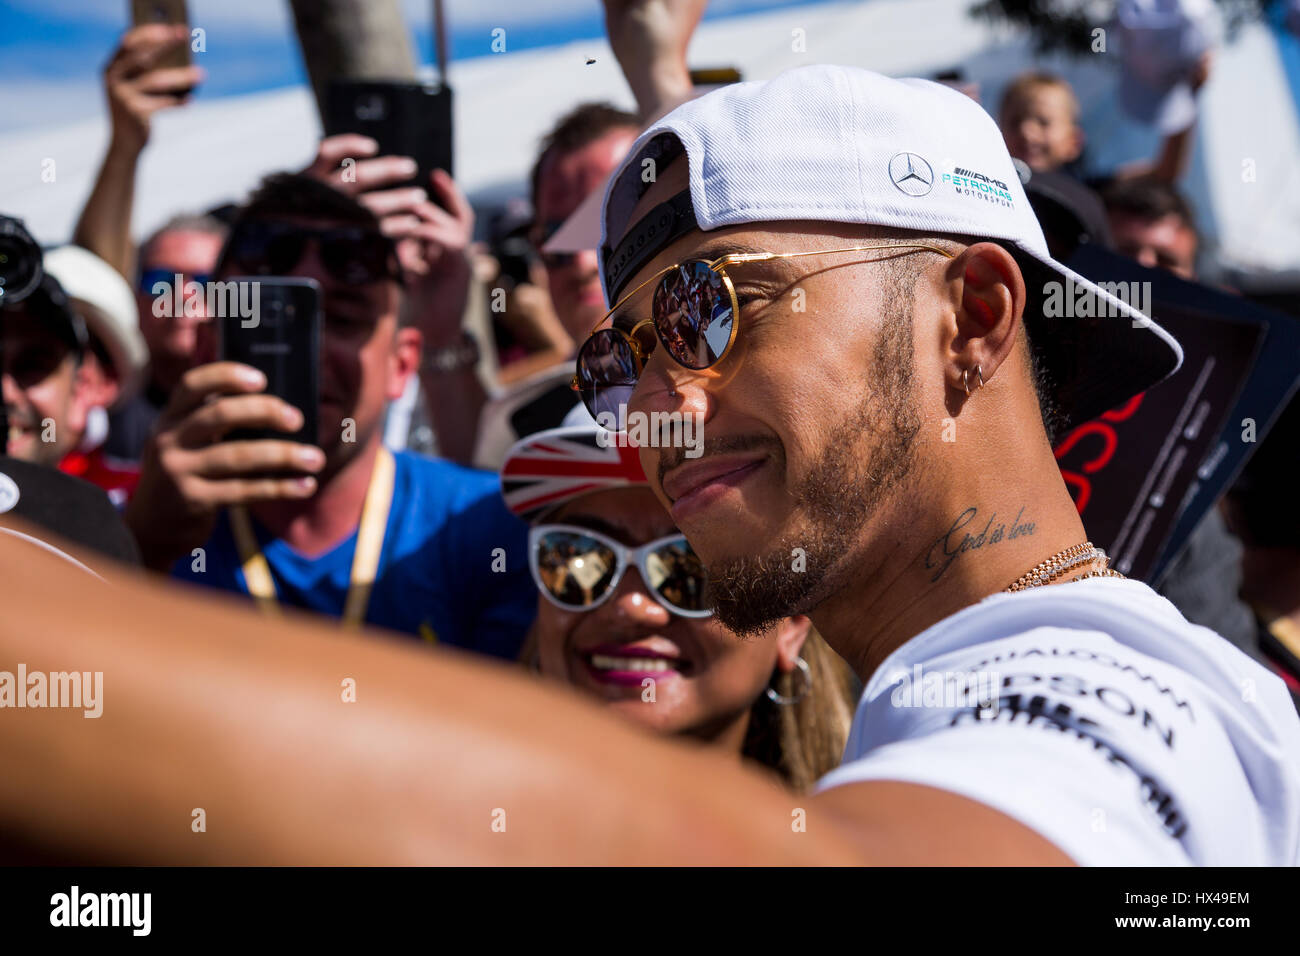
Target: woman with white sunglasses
{"type": "Point", "coordinates": [623, 616]}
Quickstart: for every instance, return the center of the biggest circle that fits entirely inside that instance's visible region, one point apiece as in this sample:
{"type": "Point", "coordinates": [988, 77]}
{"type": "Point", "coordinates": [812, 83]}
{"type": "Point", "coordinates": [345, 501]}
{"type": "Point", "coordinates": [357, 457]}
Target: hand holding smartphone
{"type": "Point", "coordinates": [170, 12]}
{"type": "Point", "coordinates": [405, 119]}
{"type": "Point", "coordinates": [280, 337]}
{"type": "Point", "coordinates": [164, 11]}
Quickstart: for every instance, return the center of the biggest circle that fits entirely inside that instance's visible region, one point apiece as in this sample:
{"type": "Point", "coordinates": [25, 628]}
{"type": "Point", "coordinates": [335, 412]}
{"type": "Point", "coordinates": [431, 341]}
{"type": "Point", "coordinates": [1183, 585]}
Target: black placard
{"type": "Point", "coordinates": [1140, 474]}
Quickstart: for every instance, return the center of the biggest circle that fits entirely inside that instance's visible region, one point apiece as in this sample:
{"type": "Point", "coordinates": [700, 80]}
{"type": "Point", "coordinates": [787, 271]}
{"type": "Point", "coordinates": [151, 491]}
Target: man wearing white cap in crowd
{"type": "Point", "coordinates": [877, 385]}
{"type": "Point", "coordinates": [46, 388]}
{"type": "Point", "coordinates": [72, 352]}
{"type": "Point", "coordinates": [112, 367]}
{"type": "Point", "coordinates": [863, 339]}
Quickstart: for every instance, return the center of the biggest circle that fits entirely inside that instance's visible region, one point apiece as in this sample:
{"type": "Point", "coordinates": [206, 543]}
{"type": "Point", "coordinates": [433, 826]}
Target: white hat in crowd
{"type": "Point", "coordinates": [103, 298]}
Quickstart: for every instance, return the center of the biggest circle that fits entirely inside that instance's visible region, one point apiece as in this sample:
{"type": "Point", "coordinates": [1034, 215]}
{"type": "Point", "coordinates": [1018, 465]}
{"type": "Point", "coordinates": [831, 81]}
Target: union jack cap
{"type": "Point", "coordinates": [553, 466]}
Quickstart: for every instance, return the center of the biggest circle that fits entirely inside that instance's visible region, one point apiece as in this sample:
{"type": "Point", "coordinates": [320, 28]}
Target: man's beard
{"type": "Point", "coordinates": [863, 459]}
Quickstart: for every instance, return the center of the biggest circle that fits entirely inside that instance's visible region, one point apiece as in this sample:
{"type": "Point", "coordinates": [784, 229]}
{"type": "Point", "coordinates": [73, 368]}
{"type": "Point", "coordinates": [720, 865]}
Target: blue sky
{"type": "Point", "coordinates": [52, 51]}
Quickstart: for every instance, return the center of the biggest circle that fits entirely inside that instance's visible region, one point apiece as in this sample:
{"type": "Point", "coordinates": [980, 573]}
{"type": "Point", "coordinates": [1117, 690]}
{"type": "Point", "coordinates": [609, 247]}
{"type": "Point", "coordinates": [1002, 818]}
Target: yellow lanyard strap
{"type": "Point", "coordinates": [365, 559]}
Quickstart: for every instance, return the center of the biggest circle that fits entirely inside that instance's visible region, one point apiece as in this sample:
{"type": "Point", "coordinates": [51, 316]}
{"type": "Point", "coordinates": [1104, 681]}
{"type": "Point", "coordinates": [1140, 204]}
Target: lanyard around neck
{"type": "Point", "coordinates": [365, 559]}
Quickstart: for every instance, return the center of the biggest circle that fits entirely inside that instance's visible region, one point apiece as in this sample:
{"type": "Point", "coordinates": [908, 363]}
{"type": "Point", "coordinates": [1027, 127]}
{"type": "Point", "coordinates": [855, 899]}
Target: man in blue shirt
{"type": "Point", "coordinates": [344, 527]}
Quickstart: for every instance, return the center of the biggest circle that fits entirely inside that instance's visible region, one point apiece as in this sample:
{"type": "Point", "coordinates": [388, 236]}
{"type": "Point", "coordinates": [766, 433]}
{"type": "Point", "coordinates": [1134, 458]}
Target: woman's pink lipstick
{"type": "Point", "coordinates": [630, 665]}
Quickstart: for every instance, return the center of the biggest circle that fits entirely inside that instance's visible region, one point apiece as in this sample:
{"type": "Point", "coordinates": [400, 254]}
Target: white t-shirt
{"type": "Point", "coordinates": [1096, 715]}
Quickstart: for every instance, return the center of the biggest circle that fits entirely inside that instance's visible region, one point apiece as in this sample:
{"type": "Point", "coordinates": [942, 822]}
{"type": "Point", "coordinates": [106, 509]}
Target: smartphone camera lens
{"type": "Point", "coordinates": [371, 107]}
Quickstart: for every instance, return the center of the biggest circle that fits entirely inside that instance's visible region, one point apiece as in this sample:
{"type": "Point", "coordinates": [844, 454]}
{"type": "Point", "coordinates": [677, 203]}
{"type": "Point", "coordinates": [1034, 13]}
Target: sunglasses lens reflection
{"type": "Point", "coordinates": [575, 569]}
{"type": "Point", "coordinates": [693, 314]}
{"type": "Point", "coordinates": [677, 576]}
{"type": "Point", "coordinates": [607, 372]}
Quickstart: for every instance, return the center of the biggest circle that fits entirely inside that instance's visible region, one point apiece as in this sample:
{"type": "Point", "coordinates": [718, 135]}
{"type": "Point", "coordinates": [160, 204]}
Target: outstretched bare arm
{"type": "Point", "coordinates": [440, 759]}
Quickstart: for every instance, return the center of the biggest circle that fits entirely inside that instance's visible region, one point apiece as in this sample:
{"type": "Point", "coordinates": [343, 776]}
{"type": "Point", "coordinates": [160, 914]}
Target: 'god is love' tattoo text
{"type": "Point", "coordinates": [957, 539]}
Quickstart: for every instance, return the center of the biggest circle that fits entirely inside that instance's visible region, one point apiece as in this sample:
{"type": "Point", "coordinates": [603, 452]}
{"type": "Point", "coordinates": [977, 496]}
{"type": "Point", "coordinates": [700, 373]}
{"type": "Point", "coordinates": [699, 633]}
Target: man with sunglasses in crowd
{"type": "Point", "coordinates": [344, 527]}
{"type": "Point", "coordinates": [878, 386]}
{"type": "Point", "coordinates": [878, 404]}
{"type": "Point", "coordinates": [184, 250]}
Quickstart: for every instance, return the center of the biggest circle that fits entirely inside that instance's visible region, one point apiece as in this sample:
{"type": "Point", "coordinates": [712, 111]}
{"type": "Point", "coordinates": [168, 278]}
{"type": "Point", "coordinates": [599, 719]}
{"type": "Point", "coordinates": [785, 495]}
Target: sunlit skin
{"type": "Point", "coordinates": [566, 180]}
{"type": "Point", "coordinates": [1040, 127]}
{"type": "Point", "coordinates": [1164, 243]}
{"type": "Point", "coordinates": [42, 384]}
{"type": "Point", "coordinates": [173, 339]}
{"type": "Point", "coordinates": [719, 676]}
{"type": "Point", "coordinates": [793, 374]}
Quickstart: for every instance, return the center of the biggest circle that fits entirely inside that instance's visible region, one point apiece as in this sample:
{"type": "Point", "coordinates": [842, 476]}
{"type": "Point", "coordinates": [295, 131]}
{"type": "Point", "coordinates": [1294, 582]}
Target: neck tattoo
{"type": "Point", "coordinates": [969, 532]}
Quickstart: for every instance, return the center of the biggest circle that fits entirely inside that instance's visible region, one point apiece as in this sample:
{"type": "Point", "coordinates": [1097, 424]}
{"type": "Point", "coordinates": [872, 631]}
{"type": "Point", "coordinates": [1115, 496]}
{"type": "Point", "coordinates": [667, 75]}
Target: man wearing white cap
{"type": "Point", "coordinates": [874, 373]}
{"type": "Point", "coordinates": [59, 382]}
{"type": "Point", "coordinates": [112, 368]}
{"type": "Point", "coordinates": [815, 272]}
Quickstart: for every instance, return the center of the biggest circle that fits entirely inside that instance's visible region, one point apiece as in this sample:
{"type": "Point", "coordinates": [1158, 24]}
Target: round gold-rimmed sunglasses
{"type": "Point", "coordinates": [693, 314]}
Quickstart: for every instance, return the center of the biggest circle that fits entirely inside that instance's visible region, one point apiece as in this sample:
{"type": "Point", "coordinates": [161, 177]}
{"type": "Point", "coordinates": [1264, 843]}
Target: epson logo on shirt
{"type": "Point", "coordinates": [74, 908]}
{"type": "Point", "coordinates": [1045, 712]}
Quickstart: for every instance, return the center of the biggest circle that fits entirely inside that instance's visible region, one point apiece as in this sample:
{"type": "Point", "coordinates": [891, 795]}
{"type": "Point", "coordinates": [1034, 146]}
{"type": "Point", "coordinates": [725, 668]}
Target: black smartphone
{"type": "Point", "coordinates": [405, 118]}
{"type": "Point", "coordinates": [164, 11]}
{"type": "Point", "coordinates": [276, 328]}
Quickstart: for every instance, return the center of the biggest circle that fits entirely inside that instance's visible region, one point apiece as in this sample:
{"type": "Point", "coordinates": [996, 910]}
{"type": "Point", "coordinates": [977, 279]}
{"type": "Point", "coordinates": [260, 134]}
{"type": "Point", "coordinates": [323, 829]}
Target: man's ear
{"type": "Point", "coordinates": [790, 636]}
{"type": "Point", "coordinates": [408, 346]}
{"type": "Point", "coordinates": [92, 387]}
{"type": "Point", "coordinates": [989, 312]}
{"type": "Point", "coordinates": [81, 396]}
{"type": "Point", "coordinates": [96, 385]}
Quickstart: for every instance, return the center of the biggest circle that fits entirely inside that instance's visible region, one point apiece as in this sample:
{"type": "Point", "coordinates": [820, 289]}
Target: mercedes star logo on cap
{"type": "Point", "coordinates": [911, 174]}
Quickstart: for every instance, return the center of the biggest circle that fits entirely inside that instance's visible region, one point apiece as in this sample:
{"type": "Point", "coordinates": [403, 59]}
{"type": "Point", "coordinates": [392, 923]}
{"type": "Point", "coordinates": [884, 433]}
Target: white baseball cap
{"type": "Point", "coordinates": [1160, 44]}
{"type": "Point", "coordinates": [840, 144]}
{"type": "Point", "coordinates": [103, 298]}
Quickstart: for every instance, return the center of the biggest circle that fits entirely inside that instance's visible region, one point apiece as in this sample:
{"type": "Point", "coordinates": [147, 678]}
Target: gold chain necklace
{"type": "Point", "coordinates": [1063, 562]}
